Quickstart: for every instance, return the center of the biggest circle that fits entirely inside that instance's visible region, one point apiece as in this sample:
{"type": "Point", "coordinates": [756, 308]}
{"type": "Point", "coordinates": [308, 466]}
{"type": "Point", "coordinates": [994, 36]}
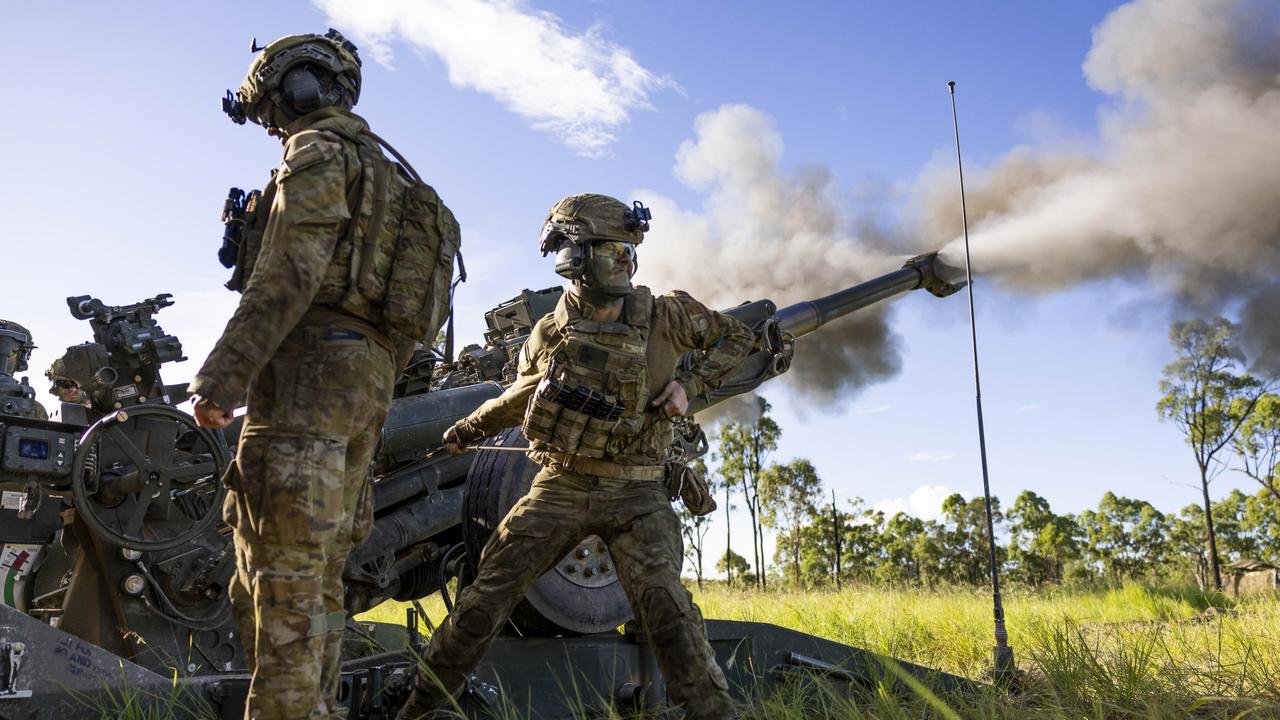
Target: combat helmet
{"type": "Point", "coordinates": [295, 75]}
{"type": "Point", "coordinates": [577, 228]}
{"type": "Point", "coordinates": [60, 376]}
{"type": "Point", "coordinates": [15, 347]}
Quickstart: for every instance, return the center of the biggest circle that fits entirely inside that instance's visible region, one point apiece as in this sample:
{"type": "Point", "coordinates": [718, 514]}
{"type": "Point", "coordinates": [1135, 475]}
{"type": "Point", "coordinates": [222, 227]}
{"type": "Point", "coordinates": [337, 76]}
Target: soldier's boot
{"type": "Point", "coordinates": [526, 543]}
{"type": "Point", "coordinates": [678, 636]}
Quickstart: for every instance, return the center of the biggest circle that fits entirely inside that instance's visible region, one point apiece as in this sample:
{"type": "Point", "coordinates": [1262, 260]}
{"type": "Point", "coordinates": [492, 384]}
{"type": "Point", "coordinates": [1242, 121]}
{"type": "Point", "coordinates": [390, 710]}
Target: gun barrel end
{"type": "Point", "coordinates": [936, 276]}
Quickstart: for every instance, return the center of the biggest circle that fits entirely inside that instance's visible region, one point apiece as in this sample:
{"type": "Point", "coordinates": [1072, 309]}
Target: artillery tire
{"type": "Point", "coordinates": [554, 604]}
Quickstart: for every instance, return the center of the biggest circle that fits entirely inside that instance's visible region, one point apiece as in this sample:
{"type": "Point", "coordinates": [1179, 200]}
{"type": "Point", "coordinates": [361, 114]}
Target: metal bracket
{"type": "Point", "coordinates": [488, 695]}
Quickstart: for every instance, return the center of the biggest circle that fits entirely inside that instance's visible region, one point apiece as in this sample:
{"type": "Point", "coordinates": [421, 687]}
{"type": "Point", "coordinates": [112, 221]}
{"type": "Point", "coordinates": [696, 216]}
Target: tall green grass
{"type": "Point", "coordinates": [1130, 652]}
{"type": "Point", "coordinates": [125, 701]}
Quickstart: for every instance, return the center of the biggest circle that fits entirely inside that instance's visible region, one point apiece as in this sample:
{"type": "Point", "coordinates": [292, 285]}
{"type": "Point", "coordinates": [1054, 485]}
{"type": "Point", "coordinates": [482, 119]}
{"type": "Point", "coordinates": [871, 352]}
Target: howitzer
{"type": "Point", "coordinates": [129, 565]}
{"type": "Point", "coordinates": [409, 555]}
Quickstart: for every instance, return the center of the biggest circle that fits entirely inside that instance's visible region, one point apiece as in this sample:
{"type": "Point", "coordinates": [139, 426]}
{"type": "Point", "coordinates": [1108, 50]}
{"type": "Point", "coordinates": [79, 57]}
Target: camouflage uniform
{"type": "Point", "coordinates": [17, 396]}
{"type": "Point", "coordinates": [318, 383]}
{"type": "Point", "coordinates": [620, 498]}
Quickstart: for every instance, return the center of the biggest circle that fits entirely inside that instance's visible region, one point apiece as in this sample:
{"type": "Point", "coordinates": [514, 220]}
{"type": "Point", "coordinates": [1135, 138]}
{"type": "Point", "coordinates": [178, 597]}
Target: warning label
{"type": "Point", "coordinates": [12, 500]}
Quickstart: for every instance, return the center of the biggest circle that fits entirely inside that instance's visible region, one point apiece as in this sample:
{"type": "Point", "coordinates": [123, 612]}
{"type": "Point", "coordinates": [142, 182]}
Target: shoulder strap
{"type": "Point", "coordinates": [638, 307]}
{"type": "Point", "coordinates": [396, 154]}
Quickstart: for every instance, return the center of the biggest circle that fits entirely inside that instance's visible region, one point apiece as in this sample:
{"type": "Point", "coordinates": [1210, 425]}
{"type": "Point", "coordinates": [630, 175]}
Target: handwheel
{"type": "Point", "coordinates": [581, 593]}
{"type": "Point", "coordinates": [148, 478]}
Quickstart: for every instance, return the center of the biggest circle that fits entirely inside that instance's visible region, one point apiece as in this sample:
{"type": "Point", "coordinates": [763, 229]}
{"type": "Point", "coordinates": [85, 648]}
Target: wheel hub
{"type": "Point", "coordinates": [588, 565]}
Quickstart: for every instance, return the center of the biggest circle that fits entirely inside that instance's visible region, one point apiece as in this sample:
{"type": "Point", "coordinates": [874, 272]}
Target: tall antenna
{"type": "Point", "coordinates": [1003, 654]}
{"type": "Point", "coordinates": [835, 531]}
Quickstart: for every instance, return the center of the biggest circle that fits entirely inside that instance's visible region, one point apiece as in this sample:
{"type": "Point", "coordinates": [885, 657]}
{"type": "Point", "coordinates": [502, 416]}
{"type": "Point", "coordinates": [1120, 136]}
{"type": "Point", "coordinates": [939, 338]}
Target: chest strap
{"type": "Point", "coordinates": [602, 468]}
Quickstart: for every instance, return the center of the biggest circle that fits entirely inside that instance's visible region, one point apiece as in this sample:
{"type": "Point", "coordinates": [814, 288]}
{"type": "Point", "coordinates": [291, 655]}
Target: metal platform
{"type": "Point", "coordinates": [59, 676]}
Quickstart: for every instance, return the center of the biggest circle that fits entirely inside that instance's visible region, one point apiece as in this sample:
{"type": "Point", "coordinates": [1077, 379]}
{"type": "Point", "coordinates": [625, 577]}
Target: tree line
{"type": "Point", "coordinates": [1229, 418]}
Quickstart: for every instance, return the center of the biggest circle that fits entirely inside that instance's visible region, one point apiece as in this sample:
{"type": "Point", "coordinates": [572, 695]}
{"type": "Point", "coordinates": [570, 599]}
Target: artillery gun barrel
{"type": "Point", "coordinates": [806, 316]}
{"type": "Point", "coordinates": [777, 329]}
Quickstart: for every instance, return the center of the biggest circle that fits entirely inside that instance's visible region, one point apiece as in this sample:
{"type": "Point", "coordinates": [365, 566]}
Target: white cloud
{"type": "Point", "coordinates": [874, 410]}
{"type": "Point", "coordinates": [925, 502]}
{"type": "Point", "coordinates": [1027, 408]}
{"type": "Point", "coordinates": [931, 456]}
{"type": "Point", "coordinates": [578, 86]}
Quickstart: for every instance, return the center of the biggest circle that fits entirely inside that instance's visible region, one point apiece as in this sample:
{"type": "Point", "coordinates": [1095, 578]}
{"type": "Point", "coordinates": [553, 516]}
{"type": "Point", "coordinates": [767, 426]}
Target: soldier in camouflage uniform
{"type": "Point", "coordinates": [309, 351]}
{"type": "Point", "coordinates": [615, 349]}
{"type": "Point", "coordinates": [64, 387]}
{"type": "Point", "coordinates": [17, 397]}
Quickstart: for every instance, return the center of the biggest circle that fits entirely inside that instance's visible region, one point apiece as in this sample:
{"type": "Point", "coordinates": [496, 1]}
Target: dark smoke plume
{"type": "Point", "coordinates": [763, 233]}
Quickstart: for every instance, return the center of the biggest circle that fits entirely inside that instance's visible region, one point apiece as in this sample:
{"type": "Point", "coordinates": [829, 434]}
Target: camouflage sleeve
{"type": "Point", "coordinates": [297, 246]}
{"type": "Point", "coordinates": [507, 409]}
{"type": "Point", "coordinates": [723, 340]}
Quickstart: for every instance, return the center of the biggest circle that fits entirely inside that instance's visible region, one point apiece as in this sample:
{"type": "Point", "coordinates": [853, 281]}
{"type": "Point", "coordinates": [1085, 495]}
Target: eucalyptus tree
{"type": "Point", "coordinates": [789, 497]}
{"type": "Point", "coordinates": [1208, 396]}
{"type": "Point", "coordinates": [744, 449]}
{"type": "Point", "coordinates": [1257, 444]}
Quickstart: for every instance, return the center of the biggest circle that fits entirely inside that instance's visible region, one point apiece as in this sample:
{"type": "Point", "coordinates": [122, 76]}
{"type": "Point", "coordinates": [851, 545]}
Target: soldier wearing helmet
{"type": "Point", "coordinates": [313, 350]}
{"type": "Point", "coordinates": [598, 384]}
{"type": "Point", "coordinates": [17, 397]}
{"type": "Point", "coordinates": [64, 387]}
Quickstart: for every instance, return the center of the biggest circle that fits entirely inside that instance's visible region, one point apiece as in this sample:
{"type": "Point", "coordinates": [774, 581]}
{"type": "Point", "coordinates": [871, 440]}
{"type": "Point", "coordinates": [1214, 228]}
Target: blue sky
{"type": "Point", "coordinates": [120, 159]}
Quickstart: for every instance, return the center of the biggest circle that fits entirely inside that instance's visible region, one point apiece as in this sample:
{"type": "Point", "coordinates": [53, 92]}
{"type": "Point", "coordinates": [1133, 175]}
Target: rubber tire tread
{"type": "Point", "coordinates": [489, 485]}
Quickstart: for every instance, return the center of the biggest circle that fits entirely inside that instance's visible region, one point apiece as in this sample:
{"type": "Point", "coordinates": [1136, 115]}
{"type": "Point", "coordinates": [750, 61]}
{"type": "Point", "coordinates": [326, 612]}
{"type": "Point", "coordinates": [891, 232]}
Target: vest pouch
{"type": "Point", "coordinates": [550, 422]}
{"type": "Point", "coordinates": [564, 428]}
{"type": "Point", "coordinates": [595, 438]}
{"type": "Point", "coordinates": [567, 434]}
{"type": "Point", "coordinates": [539, 418]}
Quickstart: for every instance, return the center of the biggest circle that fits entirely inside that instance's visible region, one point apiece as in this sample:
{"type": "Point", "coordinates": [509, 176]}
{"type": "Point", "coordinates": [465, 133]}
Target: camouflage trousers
{"type": "Point", "coordinates": [300, 499]}
{"type": "Point", "coordinates": [643, 533]}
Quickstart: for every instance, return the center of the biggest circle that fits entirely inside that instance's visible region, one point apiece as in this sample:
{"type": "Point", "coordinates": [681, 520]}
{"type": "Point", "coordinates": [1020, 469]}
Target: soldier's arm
{"type": "Point", "coordinates": [722, 341]}
{"type": "Point", "coordinates": [306, 217]}
{"type": "Point", "coordinates": [508, 408]}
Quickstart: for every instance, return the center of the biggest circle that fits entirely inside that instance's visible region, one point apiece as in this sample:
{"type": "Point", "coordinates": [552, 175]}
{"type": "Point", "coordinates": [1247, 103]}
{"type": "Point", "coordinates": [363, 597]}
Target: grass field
{"type": "Point", "coordinates": [1133, 652]}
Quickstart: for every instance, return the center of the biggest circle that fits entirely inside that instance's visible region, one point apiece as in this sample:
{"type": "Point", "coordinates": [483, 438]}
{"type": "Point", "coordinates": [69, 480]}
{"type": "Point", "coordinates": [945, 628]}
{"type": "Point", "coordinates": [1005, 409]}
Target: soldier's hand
{"type": "Point", "coordinates": [452, 444]}
{"type": "Point", "coordinates": [210, 414]}
{"type": "Point", "coordinates": [673, 402]}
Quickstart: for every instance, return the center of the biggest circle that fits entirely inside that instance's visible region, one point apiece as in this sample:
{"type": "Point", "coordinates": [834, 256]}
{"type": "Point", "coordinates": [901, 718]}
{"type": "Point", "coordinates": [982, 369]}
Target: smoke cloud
{"type": "Point", "coordinates": [1183, 188]}
{"type": "Point", "coordinates": [765, 233]}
